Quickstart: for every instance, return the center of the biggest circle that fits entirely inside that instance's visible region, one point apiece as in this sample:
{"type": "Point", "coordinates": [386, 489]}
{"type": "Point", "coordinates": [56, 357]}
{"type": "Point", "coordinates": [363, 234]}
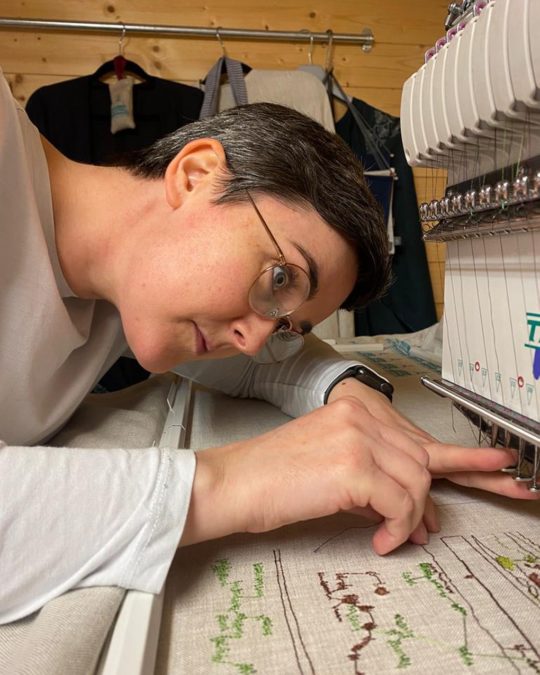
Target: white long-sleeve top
{"type": "Point", "coordinates": [80, 517]}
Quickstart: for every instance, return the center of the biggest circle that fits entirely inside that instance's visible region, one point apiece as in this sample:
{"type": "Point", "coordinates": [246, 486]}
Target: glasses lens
{"type": "Point", "coordinates": [279, 291]}
{"type": "Point", "coordinates": [280, 346]}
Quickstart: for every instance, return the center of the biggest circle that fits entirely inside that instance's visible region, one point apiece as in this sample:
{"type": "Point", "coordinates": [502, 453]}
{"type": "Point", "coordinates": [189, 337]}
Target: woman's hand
{"type": "Point", "coordinates": [472, 467]}
{"type": "Point", "coordinates": [337, 458]}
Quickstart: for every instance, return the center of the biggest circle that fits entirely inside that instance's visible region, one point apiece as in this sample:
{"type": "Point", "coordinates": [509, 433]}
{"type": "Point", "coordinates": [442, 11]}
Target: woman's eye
{"type": "Point", "coordinates": [280, 278]}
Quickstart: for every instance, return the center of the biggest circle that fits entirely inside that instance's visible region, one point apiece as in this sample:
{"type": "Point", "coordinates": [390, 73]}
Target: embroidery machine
{"type": "Point", "coordinates": [473, 110]}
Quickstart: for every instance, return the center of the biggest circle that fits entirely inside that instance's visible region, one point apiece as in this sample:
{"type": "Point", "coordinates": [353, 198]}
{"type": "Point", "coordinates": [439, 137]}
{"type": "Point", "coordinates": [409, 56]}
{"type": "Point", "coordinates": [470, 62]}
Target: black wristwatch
{"type": "Point", "coordinates": [366, 376]}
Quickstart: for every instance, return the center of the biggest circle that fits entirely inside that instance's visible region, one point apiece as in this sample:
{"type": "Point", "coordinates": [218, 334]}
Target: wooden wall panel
{"type": "Point", "coordinates": [403, 31]}
{"type": "Point", "coordinates": [393, 21]}
{"type": "Point", "coordinates": [176, 58]}
{"type": "Point", "coordinates": [430, 184]}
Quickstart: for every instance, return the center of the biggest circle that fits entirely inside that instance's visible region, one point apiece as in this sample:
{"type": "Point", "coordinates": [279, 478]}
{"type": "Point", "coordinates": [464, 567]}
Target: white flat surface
{"type": "Point", "coordinates": [132, 646]}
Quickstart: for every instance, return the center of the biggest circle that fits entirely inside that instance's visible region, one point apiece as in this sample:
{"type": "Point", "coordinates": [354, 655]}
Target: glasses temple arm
{"type": "Point", "coordinates": [278, 249]}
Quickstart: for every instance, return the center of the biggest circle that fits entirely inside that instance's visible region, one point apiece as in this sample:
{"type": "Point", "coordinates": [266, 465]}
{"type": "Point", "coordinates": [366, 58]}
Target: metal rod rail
{"type": "Point", "coordinates": [365, 39]}
{"type": "Point", "coordinates": [529, 434]}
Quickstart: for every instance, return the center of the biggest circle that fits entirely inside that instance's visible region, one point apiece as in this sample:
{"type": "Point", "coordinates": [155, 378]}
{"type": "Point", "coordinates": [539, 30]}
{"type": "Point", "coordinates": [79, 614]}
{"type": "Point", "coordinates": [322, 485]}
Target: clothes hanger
{"type": "Point", "coordinates": [224, 58]}
{"type": "Point", "coordinates": [326, 76]}
{"type": "Point", "coordinates": [336, 93]}
{"type": "Point", "coordinates": [318, 71]}
{"type": "Point", "coordinates": [224, 68]}
{"type": "Point", "coordinates": [340, 102]}
{"type": "Point", "coordinates": [119, 62]}
{"type": "Point", "coordinates": [384, 174]}
{"type": "Point", "coordinates": [120, 66]}
{"type": "Point", "coordinates": [310, 67]}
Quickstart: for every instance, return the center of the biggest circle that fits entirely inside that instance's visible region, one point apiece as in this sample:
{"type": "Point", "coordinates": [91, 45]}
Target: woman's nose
{"type": "Point", "coordinates": [251, 332]}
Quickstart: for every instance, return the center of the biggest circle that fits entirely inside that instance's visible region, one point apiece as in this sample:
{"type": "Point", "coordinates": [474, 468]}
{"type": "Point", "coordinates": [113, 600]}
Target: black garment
{"type": "Point", "coordinates": [75, 116]}
{"type": "Point", "coordinates": [408, 306]}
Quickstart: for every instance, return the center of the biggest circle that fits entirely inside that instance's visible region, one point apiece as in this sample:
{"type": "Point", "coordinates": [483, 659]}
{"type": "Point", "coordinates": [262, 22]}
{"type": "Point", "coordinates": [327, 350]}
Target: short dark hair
{"type": "Point", "coordinates": [274, 150]}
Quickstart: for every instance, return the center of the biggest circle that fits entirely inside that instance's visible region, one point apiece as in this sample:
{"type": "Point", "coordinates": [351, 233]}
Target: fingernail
{"type": "Point", "coordinates": [420, 535]}
{"type": "Point", "coordinates": [424, 536]}
{"type": "Point", "coordinates": [512, 468]}
{"type": "Point", "coordinates": [435, 526]}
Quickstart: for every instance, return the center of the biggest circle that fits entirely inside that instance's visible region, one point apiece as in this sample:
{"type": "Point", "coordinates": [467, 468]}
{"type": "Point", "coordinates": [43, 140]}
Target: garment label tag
{"type": "Point", "coordinates": [121, 104]}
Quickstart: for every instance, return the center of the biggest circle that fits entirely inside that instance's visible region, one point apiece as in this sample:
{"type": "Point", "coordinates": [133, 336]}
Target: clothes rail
{"type": "Point", "coordinates": [365, 39]}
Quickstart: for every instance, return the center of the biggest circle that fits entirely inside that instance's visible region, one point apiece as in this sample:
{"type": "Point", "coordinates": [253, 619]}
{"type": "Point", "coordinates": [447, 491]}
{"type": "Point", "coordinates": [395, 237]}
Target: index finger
{"type": "Point", "coordinates": [445, 458]}
{"type": "Point", "coordinates": [397, 507]}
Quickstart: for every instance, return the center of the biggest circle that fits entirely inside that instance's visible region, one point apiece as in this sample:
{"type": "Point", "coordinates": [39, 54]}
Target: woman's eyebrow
{"type": "Point", "coordinates": [313, 270]}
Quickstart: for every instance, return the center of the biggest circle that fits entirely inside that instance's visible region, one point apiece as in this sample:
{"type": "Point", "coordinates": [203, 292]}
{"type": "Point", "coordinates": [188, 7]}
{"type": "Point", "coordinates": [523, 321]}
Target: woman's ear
{"type": "Point", "coordinates": [196, 164]}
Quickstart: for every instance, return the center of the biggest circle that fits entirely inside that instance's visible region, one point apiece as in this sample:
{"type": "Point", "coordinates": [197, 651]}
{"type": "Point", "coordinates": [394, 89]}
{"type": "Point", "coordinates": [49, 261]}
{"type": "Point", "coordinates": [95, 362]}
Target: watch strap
{"type": "Point", "coordinates": [366, 376]}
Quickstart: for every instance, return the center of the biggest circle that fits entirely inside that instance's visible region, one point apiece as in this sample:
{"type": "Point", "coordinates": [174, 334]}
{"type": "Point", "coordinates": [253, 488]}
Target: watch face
{"type": "Point", "coordinates": [370, 377]}
{"type": "Point", "coordinates": [366, 376]}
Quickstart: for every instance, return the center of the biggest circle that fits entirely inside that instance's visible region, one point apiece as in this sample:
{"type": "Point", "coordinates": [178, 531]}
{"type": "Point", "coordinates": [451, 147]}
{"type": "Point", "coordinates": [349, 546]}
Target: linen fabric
{"type": "Point", "coordinates": [65, 636]}
{"type": "Point", "coordinates": [313, 597]}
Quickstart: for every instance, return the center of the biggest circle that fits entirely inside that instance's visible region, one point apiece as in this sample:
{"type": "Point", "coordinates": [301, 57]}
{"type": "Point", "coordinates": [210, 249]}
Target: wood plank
{"type": "Point", "coordinates": [437, 283]}
{"type": "Point", "coordinates": [436, 252]}
{"type": "Point", "coordinates": [436, 273]}
{"type": "Point", "coordinates": [392, 21]}
{"type": "Point", "coordinates": [430, 182]}
{"type": "Point", "coordinates": [190, 59]}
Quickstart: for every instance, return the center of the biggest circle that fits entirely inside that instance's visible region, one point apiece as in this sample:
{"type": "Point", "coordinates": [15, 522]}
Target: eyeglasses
{"type": "Point", "coordinates": [277, 292]}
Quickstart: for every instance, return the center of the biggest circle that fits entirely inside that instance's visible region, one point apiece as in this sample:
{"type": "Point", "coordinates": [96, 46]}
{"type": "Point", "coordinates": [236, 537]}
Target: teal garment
{"type": "Point", "coordinates": [408, 306]}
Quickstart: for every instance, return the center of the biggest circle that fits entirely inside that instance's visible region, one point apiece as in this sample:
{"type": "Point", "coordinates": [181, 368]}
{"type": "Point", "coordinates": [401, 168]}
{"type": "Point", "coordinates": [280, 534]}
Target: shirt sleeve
{"type": "Point", "coordinates": [297, 385]}
{"type": "Point", "coordinates": [73, 518]}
